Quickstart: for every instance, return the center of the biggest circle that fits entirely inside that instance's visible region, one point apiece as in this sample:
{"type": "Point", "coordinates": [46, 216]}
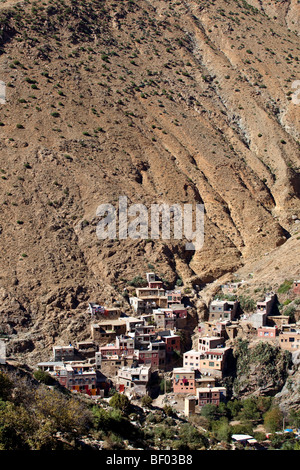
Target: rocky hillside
{"type": "Point", "coordinates": [164, 102]}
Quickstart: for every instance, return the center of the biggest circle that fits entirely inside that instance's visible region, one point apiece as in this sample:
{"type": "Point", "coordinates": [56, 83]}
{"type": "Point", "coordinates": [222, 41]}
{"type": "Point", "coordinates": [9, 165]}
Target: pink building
{"type": "Point", "coordinates": [184, 380]}
{"type": "Point", "coordinates": [173, 296]}
{"type": "Point", "coordinates": [267, 332]}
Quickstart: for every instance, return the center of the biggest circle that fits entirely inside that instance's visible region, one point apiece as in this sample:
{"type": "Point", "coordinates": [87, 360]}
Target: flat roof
{"type": "Point", "coordinates": [192, 352]}
{"type": "Point", "coordinates": [211, 389]}
{"type": "Point", "coordinates": [241, 437]}
{"type": "Point", "coordinates": [179, 370]}
{"type": "Point", "coordinates": [120, 321]}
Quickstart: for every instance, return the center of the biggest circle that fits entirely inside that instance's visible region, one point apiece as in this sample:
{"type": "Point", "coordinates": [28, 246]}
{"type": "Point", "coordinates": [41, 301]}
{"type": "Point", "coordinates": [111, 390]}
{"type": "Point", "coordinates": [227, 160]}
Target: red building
{"type": "Point", "coordinates": [155, 285]}
{"type": "Point", "coordinates": [172, 343]}
{"type": "Point", "coordinates": [212, 395]}
{"type": "Point", "coordinates": [296, 287]}
{"type": "Point", "coordinates": [184, 381]}
{"type": "Point", "coordinates": [267, 332]}
{"type": "Point", "coordinates": [154, 356]}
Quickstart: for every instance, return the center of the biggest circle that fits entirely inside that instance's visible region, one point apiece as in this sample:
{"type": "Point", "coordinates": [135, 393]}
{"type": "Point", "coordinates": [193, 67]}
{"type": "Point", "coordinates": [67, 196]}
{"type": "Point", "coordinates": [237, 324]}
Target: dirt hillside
{"type": "Point", "coordinates": [164, 102]}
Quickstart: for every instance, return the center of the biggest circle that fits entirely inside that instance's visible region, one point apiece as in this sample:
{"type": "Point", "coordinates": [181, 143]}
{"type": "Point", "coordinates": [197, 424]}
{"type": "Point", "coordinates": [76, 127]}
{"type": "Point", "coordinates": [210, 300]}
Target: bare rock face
{"type": "Point", "coordinates": [182, 103]}
{"type": "Point", "coordinates": [262, 369]}
{"type": "Point", "coordinates": [288, 398]}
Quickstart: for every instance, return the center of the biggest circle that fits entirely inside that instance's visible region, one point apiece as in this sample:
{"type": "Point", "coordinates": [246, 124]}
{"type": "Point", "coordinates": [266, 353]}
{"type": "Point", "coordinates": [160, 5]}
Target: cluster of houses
{"type": "Point", "coordinates": [203, 368]}
{"type": "Point", "coordinates": [124, 351]}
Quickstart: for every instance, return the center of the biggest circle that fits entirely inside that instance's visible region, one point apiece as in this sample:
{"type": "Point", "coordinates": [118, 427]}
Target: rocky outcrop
{"type": "Point", "coordinates": [261, 369]}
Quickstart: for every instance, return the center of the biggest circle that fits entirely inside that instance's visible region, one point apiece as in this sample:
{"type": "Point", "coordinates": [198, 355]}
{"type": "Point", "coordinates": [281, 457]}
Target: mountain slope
{"type": "Point", "coordinates": [106, 99]}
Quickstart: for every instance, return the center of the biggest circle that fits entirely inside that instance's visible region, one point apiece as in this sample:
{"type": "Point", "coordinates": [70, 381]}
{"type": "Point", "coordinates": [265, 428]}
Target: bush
{"type": "Point", "coordinates": [190, 438]}
{"type": "Point", "coordinates": [120, 402]}
{"type": "Point", "coordinates": [273, 419]}
{"type": "Point", "coordinates": [138, 281]}
{"type": "Point", "coordinates": [147, 401]}
{"type": "Point", "coordinates": [43, 377]}
{"type": "Point", "coordinates": [285, 287]}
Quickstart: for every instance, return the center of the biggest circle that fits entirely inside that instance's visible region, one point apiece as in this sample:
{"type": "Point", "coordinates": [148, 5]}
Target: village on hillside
{"type": "Point", "coordinates": [127, 353]}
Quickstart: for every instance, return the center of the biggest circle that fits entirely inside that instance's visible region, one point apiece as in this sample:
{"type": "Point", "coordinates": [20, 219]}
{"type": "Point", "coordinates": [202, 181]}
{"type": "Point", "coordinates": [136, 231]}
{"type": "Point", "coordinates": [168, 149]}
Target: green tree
{"type": "Point", "coordinates": [222, 430]}
{"type": "Point", "coordinates": [43, 377]}
{"type": "Point", "coordinates": [234, 407]}
{"type": "Point", "coordinates": [210, 412]}
{"type": "Point", "coordinates": [120, 402]}
{"type": "Point", "coordinates": [249, 410]}
{"type": "Point", "coordinates": [273, 419]}
{"type": "Point", "coordinates": [146, 401]}
{"type": "Point", "coordinates": [190, 438]}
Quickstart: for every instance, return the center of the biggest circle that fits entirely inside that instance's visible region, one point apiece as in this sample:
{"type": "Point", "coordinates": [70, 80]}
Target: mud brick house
{"type": "Point", "coordinates": [133, 380]}
{"type": "Point", "coordinates": [63, 353]}
{"type": "Point", "coordinates": [290, 338]}
{"type": "Point", "coordinates": [154, 356]}
{"type": "Point", "coordinates": [181, 314]}
{"type": "Point", "coordinates": [214, 362]}
{"type": "Point", "coordinates": [110, 358]}
{"type": "Point", "coordinates": [132, 323]}
{"type": "Point", "coordinates": [168, 318]}
{"type": "Point", "coordinates": [278, 320]}
{"type": "Point", "coordinates": [124, 345]}
{"type": "Point", "coordinates": [223, 310]}
{"type": "Point", "coordinates": [184, 381]}
{"type": "Point", "coordinates": [99, 312]}
{"type": "Point", "coordinates": [157, 318]}
{"type": "Point", "coordinates": [210, 395]}
{"type": "Point", "coordinates": [205, 343]}
{"type": "Point", "coordinates": [225, 329]}
{"type": "Point", "coordinates": [141, 306]}
{"type": "Point", "coordinates": [173, 297]}
{"type": "Point", "coordinates": [267, 332]}
{"type": "Point", "coordinates": [263, 310]}
{"type": "Point", "coordinates": [106, 332]}
{"type": "Point", "coordinates": [203, 381]}
{"type": "Point", "coordinates": [266, 305]}
{"type": "Point", "coordinates": [144, 334]}
{"type": "Point", "coordinates": [86, 349]}
{"type": "Point", "coordinates": [172, 341]}
{"type": "Point", "coordinates": [78, 377]}
{"type": "Point", "coordinates": [150, 292]}
{"type": "Point", "coordinates": [153, 282]}
{"type": "Point", "coordinates": [189, 405]}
